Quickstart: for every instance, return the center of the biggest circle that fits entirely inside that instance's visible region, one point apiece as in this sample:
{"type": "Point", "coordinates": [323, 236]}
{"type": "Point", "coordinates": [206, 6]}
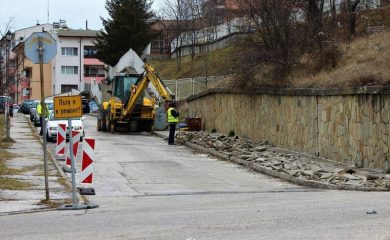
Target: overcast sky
{"type": "Point", "coordinates": [75, 12]}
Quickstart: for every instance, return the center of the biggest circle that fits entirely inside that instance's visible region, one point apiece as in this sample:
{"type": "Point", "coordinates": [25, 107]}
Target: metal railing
{"type": "Point", "coordinates": [185, 87]}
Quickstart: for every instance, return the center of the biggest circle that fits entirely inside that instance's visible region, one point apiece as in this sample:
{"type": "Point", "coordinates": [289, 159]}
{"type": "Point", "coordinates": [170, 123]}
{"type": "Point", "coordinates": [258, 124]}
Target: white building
{"type": "Point", "coordinates": [76, 65]}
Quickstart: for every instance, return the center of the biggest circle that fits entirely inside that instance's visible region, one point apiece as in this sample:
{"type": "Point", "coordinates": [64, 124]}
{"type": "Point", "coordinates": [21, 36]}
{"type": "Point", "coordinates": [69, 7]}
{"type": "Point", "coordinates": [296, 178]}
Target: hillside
{"type": "Point", "coordinates": [364, 61]}
{"type": "Point", "coordinates": [216, 63]}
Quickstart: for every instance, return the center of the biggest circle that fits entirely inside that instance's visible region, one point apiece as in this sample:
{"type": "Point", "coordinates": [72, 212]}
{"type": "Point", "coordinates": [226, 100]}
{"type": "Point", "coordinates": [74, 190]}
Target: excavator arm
{"type": "Point", "coordinates": [136, 90]}
{"type": "Point", "coordinates": [158, 83]}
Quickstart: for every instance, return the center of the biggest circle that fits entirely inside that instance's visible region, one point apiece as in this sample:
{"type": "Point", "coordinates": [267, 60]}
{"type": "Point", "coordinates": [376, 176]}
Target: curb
{"type": "Point", "coordinates": [28, 211]}
{"type": "Point", "coordinates": [281, 175]}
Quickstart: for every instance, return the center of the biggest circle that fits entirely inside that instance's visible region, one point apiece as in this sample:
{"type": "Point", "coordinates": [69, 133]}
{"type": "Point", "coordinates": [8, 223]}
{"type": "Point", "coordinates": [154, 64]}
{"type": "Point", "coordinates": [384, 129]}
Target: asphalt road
{"type": "Point", "coordinates": [149, 190]}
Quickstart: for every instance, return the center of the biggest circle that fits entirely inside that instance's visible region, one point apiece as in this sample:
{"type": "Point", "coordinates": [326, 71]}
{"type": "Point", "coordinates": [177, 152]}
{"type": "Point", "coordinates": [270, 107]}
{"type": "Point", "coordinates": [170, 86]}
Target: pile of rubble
{"type": "Point", "coordinates": [304, 170]}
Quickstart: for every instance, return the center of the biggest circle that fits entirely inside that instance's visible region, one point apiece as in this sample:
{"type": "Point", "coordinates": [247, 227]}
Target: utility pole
{"type": "Point", "coordinates": [44, 114]}
{"type": "Point", "coordinates": [7, 78]}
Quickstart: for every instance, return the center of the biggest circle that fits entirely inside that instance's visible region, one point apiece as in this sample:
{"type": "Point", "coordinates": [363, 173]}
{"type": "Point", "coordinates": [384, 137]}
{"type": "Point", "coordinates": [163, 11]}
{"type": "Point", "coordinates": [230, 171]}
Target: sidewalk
{"type": "Point", "coordinates": [22, 188]}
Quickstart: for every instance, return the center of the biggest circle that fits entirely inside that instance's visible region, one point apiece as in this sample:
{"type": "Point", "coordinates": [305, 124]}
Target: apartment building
{"type": "Point", "coordinates": [76, 65]}
{"type": "Point", "coordinates": [23, 80]}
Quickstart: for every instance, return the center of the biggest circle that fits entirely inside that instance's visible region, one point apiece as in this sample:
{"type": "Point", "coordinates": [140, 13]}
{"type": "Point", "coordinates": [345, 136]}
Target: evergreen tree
{"type": "Point", "coordinates": [128, 26]}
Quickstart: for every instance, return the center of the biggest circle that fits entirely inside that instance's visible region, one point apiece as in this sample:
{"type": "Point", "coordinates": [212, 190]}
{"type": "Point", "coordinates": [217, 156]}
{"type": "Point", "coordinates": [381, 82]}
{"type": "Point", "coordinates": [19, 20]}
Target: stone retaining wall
{"type": "Point", "coordinates": [349, 126]}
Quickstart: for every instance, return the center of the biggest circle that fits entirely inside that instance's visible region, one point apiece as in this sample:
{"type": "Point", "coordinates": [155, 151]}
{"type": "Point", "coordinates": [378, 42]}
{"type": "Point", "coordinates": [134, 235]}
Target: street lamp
{"type": "Point", "coordinates": [7, 120]}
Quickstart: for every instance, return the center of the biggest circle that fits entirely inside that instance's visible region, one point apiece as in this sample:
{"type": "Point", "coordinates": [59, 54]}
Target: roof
{"type": "Point", "coordinates": [78, 33]}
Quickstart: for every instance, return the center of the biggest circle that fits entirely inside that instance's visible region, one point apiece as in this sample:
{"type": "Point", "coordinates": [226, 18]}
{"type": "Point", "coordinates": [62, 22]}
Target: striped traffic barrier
{"type": "Point", "coordinates": [76, 140]}
{"type": "Point", "coordinates": [61, 139]}
{"type": "Point", "coordinates": [86, 175]}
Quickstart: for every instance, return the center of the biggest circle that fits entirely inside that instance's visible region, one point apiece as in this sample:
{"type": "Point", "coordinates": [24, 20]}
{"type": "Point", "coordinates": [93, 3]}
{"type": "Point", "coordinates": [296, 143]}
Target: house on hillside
{"type": "Point", "coordinates": [364, 4]}
{"type": "Point", "coordinates": [166, 31]}
{"type": "Point", "coordinates": [217, 12]}
{"type": "Point", "coordinates": [220, 18]}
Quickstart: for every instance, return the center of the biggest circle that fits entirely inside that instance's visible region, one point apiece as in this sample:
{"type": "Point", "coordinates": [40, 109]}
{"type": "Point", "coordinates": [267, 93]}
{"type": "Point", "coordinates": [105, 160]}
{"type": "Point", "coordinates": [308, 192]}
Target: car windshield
{"type": "Point", "coordinates": [2, 99]}
{"type": "Point", "coordinates": [28, 102]}
{"type": "Point", "coordinates": [34, 104]}
{"type": "Point", "coordinates": [49, 106]}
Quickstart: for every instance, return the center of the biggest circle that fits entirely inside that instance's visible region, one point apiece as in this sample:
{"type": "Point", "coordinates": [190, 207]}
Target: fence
{"type": "Point", "coordinates": [183, 88]}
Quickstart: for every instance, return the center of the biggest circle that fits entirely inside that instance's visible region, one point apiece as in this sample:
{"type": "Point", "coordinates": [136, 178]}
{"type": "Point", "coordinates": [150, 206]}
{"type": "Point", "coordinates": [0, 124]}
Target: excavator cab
{"type": "Point", "coordinates": [122, 86]}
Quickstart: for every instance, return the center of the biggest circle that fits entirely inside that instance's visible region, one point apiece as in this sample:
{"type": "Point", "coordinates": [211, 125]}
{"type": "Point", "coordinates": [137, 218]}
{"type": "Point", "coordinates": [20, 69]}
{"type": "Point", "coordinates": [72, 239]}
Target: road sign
{"type": "Point", "coordinates": [31, 47]}
{"type": "Point", "coordinates": [67, 107]}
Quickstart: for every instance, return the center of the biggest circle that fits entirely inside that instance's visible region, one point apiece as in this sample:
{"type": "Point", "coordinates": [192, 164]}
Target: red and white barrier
{"type": "Point", "coordinates": [76, 140]}
{"type": "Point", "coordinates": [61, 139]}
{"type": "Point", "coordinates": [86, 175]}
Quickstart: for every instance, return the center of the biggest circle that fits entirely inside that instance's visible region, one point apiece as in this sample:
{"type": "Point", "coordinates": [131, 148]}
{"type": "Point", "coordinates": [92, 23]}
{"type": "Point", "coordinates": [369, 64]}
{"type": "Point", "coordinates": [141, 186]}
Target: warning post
{"type": "Point", "coordinates": [67, 107]}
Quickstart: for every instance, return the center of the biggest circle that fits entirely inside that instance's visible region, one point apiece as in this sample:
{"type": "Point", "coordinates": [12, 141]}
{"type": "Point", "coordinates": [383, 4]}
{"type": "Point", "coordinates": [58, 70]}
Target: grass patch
{"type": "Point", "coordinates": [5, 155]}
{"type": "Point", "coordinates": [215, 63]}
{"type": "Point", "coordinates": [4, 170]}
{"type": "Point", "coordinates": [365, 62]}
{"type": "Point", "coordinates": [13, 184]}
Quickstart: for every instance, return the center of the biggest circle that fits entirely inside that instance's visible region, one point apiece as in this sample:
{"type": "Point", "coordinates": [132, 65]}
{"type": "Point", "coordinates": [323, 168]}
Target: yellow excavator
{"type": "Point", "coordinates": [128, 108]}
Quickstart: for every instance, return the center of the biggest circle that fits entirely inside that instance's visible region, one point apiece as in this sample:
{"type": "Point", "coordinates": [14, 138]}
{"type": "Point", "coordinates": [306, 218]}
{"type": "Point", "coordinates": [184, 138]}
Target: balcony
{"type": "Point", "coordinates": [92, 61]}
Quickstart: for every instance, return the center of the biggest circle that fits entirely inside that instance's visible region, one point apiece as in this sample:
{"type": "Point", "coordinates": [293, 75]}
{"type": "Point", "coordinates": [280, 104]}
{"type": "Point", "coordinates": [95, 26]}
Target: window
{"type": "Point", "coordinates": [69, 51]}
{"type": "Point", "coordinates": [69, 70]}
{"type": "Point", "coordinates": [68, 88]}
{"type": "Point", "coordinates": [90, 52]}
{"type": "Point", "coordinates": [27, 72]}
{"type": "Point", "coordinates": [94, 71]}
{"type": "Point", "coordinates": [87, 86]}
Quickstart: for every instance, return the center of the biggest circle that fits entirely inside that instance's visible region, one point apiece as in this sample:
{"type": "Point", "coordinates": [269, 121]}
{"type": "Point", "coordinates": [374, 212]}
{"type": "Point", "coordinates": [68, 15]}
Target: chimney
{"type": "Point", "coordinates": [86, 25]}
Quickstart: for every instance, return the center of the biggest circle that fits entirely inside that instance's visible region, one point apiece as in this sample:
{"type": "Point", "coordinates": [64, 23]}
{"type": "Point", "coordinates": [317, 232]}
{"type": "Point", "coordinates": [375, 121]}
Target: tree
{"type": "Point", "coordinates": [127, 27]}
{"type": "Point", "coordinates": [178, 10]}
{"type": "Point", "coordinates": [278, 39]}
{"type": "Point", "coordinates": [6, 75]}
{"type": "Point", "coordinates": [351, 7]}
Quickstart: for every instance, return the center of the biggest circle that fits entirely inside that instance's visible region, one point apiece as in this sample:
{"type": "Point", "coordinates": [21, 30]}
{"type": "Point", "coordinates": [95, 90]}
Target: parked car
{"type": "Point", "coordinates": [33, 109]}
{"type": "Point", "coordinates": [25, 108]}
{"type": "Point", "coordinates": [52, 127]}
{"type": "Point", "coordinates": [6, 101]}
{"type": "Point", "coordinates": [85, 104]}
{"type": "Point", "coordinates": [50, 106]}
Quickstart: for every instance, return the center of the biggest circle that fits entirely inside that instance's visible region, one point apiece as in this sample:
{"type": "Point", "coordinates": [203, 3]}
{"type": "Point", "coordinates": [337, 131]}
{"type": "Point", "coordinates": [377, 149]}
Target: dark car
{"type": "Point", "coordinates": [25, 108]}
{"type": "Point", "coordinates": [33, 108]}
{"type": "Point", "coordinates": [85, 104]}
{"type": "Point", "coordinates": [4, 102]}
